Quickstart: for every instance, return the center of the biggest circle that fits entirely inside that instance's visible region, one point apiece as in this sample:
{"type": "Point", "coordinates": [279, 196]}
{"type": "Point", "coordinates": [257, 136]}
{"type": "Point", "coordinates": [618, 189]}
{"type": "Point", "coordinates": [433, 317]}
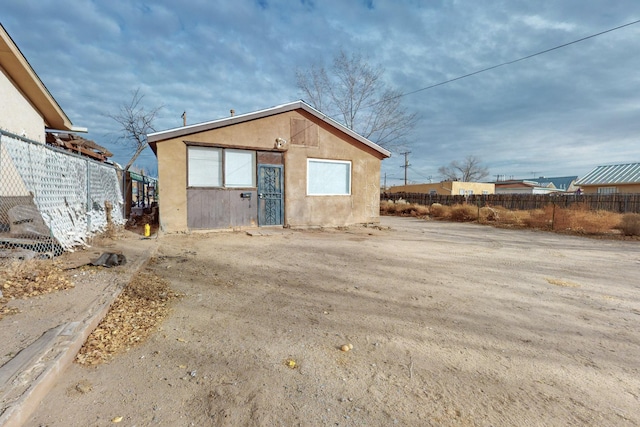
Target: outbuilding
{"type": "Point", "coordinates": [288, 165]}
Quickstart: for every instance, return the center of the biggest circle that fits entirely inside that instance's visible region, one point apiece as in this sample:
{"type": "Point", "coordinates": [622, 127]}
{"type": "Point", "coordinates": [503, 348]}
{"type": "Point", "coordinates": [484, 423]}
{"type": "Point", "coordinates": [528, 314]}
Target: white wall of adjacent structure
{"type": "Point", "coordinates": [71, 193]}
{"type": "Point", "coordinates": [17, 115]}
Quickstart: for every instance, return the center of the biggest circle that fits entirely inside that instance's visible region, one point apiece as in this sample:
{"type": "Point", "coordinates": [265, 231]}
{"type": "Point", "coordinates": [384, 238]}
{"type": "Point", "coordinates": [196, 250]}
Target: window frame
{"type": "Point", "coordinates": [348, 185]}
{"type": "Point", "coordinates": [191, 170]}
{"type": "Point", "coordinates": [222, 163]}
{"type": "Point", "coordinates": [607, 190]}
{"type": "Point", "coordinates": [228, 174]}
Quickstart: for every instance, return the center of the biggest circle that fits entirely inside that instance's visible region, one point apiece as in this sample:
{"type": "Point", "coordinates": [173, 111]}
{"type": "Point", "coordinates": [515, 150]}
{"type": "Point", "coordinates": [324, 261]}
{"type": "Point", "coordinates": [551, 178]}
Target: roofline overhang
{"type": "Point", "coordinates": [155, 137]}
{"type": "Point", "coordinates": [18, 69]}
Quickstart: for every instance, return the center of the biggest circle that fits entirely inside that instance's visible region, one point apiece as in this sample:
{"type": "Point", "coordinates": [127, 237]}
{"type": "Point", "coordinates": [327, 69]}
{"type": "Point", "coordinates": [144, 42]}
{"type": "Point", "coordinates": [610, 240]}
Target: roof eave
{"type": "Point", "coordinates": [155, 137]}
{"type": "Point", "coordinates": [25, 78]}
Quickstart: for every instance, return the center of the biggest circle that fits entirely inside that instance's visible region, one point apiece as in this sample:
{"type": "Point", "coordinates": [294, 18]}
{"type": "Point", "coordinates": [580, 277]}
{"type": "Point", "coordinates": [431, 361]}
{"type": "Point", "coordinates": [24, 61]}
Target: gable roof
{"type": "Point", "coordinates": [18, 69]}
{"type": "Point", "coordinates": [155, 137]}
{"type": "Point", "coordinates": [628, 173]}
{"type": "Point", "coordinates": [559, 182]}
{"type": "Point", "coordinates": [522, 183]}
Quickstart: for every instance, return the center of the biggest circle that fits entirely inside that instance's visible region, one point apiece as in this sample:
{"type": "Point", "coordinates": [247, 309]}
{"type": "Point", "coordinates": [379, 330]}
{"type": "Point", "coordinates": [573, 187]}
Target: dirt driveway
{"type": "Point", "coordinates": [451, 325]}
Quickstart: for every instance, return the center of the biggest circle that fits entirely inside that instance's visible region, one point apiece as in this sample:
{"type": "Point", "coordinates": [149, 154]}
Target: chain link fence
{"type": "Point", "coordinates": [52, 200]}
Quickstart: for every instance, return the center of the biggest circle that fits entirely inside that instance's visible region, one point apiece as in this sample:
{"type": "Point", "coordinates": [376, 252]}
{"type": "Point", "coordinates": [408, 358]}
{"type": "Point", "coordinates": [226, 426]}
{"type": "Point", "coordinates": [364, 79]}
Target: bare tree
{"type": "Point", "coordinates": [354, 91]}
{"type": "Point", "coordinates": [135, 123]}
{"type": "Point", "coordinates": [468, 170]}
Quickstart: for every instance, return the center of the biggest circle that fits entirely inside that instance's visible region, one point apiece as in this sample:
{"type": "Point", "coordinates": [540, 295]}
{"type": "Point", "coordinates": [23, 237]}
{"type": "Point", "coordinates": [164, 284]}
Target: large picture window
{"type": "Point", "coordinates": [328, 177]}
{"type": "Point", "coordinates": [218, 167]}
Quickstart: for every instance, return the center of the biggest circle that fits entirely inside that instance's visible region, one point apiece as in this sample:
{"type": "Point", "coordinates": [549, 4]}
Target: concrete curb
{"type": "Point", "coordinates": [41, 364]}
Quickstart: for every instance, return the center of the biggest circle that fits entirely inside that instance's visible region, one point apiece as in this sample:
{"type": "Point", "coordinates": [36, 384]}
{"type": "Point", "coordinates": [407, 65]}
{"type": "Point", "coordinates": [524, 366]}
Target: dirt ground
{"type": "Point", "coordinates": [451, 325]}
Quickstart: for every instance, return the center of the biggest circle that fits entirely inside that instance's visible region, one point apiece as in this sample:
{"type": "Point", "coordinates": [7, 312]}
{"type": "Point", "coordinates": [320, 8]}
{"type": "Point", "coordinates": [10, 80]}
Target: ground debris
{"type": "Point", "coordinates": [30, 278]}
{"type": "Point", "coordinates": [134, 315]}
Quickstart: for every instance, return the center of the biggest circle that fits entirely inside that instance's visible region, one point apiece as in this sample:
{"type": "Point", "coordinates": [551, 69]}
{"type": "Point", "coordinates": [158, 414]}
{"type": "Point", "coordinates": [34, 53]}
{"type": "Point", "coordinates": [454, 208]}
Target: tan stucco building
{"type": "Point", "coordinates": [612, 179]}
{"type": "Point", "coordinates": [446, 188]}
{"type": "Point", "coordinates": [288, 165]}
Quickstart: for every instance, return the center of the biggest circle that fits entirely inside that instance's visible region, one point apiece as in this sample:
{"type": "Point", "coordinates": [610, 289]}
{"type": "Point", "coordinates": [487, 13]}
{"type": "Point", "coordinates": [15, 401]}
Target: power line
{"type": "Point", "coordinates": [493, 67]}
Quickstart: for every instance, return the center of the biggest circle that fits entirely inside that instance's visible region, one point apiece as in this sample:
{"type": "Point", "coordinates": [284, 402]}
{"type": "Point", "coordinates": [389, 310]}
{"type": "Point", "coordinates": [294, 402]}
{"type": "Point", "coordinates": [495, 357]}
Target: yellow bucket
{"type": "Point", "coordinates": [147, 230]}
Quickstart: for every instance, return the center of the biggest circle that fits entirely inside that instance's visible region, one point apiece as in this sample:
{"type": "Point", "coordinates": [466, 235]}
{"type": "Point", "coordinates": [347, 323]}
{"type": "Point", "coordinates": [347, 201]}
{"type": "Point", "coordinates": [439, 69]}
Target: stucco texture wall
{"type": "Point", "coordinates": [17, 115]}
{"type": "Point", "coordinates": [301, 210]}
{"type": "Point", "coordinates": [624, 188]}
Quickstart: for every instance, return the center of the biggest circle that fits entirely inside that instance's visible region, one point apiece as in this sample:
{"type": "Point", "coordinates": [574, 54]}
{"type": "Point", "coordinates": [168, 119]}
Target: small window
{"type": "Point", "coordinates": [433, 192]}
{"type": "Point", "coordinates": [607, 190]}
{"type": "Point", "coordinates": [205, 166]}
{"type": "Point", "coordinates": [485, 192]}
{"type": "Point", "coordinates": [462, 191]}
{"type": "Point", "coordinates": [239, 168]}
{"type": "Point", "coordinates": [328, 177]}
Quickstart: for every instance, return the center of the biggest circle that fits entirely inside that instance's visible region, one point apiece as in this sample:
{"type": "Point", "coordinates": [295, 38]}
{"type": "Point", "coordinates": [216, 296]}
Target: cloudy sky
{"type": "Point", "coordinates": [557, 114]}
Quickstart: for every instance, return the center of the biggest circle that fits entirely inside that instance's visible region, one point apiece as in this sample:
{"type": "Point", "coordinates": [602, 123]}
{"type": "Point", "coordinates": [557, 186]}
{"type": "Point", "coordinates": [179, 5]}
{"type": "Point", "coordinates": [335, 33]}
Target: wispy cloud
{"type": "Point", "coordinates": [561, 113]}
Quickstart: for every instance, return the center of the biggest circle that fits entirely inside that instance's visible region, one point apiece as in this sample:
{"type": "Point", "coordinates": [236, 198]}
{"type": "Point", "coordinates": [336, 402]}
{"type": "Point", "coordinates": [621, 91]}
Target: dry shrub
{"type": "Point", "coordinates": [489, 214]}
{"type": "Point", "coordinates": [537, 218]}
{"type": "Point", "coordinates": [439, 211]}
{"type": "Point", "coordinates": [630, 225]}
{"type": "Point", "coordinates": [387, 207]}
{"type": "Point", "coordinates": [420, 210]}
{"type": "Point", "coordinates": [575, 219]}
{"type": "Point", "coordinates": [464, 213]}
{"type": "Point", "coordinates": [403, 209]}
{"type": "Point", "coordinates": [591, 222]}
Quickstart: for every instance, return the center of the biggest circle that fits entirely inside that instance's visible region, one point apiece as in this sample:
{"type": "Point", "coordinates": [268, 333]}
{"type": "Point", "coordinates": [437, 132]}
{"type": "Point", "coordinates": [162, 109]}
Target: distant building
{"type": "Point", "coordinates": [541, 185]}
{"type": "Point", "coordinates": [610, 179]}
{"type": "Point", "coordinates": [523, 186]}
{"type": "Point", "coordinates": [561, 183]}
{"type": "Point", "coordinates": [446, 188]}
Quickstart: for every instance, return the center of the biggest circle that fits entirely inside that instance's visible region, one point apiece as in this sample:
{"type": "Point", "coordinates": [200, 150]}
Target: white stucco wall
{"type": "Point", "coordinates": [17, 115]}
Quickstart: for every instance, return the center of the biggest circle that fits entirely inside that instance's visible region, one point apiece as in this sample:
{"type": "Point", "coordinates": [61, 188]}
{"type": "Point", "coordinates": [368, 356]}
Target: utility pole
{"type": "Point", "coordinates": [406, 165]}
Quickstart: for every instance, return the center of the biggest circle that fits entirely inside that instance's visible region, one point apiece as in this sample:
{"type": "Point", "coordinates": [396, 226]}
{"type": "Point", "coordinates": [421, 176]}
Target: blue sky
{"type": "Point", "coordinates": [561, 113]}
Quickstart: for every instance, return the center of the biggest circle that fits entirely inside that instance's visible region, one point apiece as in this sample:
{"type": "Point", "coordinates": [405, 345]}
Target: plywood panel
{"type": "Point", "coordinates": [211, 208]}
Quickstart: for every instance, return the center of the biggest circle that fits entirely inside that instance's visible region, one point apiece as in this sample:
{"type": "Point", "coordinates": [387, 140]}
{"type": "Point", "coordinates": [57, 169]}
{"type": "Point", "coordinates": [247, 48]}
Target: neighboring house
{"type": "Point", "coordinates": [624, 178]}
{"type": "Point", "coordinates": [446, 188]}
{"type": "Point", "coordinates": [288, 165]}
{"type": "Point", "coordinates": [49, 200]}
{"type": "Point", "coordinates": [26, 106]}
{"type": "Point", "coordinates": [523, 186]}
{"type": "Point", "coordinates": [566, 184]}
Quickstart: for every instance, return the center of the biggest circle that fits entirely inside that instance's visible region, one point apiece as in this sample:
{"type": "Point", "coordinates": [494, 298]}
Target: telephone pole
{"type": "Point", "coordinates": [406, 165]}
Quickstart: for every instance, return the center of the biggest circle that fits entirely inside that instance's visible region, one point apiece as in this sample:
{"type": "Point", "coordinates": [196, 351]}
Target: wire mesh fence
{"type": "Point", "coordinates": [52, 200]}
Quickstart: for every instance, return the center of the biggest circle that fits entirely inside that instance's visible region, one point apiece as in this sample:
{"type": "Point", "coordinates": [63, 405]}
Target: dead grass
{"type": "Point", "coordinates": [439, 211]}
{"type": "Point", "coordinates": [630, 225]}
{"type": "Point", "coordinates": [576, 219]}
{"type": "Point", "coordinates": [135, 314]}
{"type": "Point", "coordinates": [403, 209]}
{"type": "Point", "coordinates": [463, 213]}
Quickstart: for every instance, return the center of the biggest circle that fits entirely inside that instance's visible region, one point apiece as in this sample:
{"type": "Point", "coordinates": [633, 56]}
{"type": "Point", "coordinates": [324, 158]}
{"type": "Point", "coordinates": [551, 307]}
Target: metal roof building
{"type": "Point", "coordinates": [612, 174]}
{"type": "Point", "coordinates": [624, 178]}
